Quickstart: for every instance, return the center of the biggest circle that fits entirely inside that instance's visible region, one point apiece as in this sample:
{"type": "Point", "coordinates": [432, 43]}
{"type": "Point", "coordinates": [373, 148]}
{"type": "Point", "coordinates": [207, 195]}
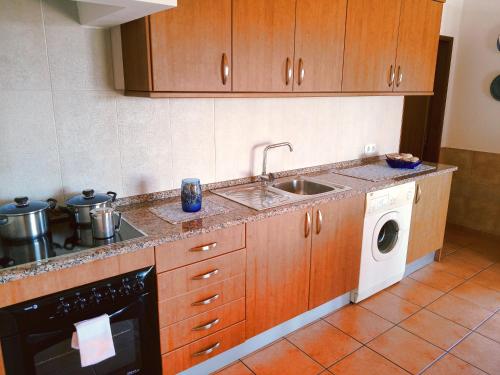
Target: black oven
{"type": "Point", "coordinates": [36, 335]}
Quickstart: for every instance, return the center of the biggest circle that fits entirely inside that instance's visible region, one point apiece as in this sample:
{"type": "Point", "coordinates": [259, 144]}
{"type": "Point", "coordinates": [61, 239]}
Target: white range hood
{"type": "Point", "coordinates": [107, 13]}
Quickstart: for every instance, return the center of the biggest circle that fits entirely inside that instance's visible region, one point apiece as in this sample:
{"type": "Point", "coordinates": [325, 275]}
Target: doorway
{"type": "Point", "coordinates": [423, 116]}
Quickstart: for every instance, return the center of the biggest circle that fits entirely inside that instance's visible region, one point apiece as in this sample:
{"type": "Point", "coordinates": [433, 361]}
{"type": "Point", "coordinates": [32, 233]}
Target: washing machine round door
{"type": "Point", "coordinates": [386, 239]}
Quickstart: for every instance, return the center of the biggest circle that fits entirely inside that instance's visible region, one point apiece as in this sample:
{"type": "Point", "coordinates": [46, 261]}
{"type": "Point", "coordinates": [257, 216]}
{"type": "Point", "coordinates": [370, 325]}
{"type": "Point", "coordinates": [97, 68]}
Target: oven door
{"type": "Point", "coordinates": [49, 351]}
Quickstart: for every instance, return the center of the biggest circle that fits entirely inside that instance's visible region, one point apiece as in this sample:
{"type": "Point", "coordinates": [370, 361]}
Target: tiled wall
{"type": "Point", "coordinates": [63, 127]}
{"type": "Point", "coordinates": [475, 190]}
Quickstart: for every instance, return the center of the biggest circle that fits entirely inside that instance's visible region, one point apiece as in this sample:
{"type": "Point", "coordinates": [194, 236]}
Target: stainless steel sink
{"type": "Point", "coordinates": [303, 187]}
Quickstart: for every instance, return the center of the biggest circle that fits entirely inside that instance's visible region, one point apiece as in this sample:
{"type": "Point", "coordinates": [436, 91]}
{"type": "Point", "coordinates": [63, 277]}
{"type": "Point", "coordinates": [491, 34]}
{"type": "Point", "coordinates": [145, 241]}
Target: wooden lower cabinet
{"type": "Point", "coordinates": [203, 349]}
{"type": "Point", "coordinates": [278, 263]}
{"type": "Point", "coordinates": [336, 249]}
{"type": "Point", "coordinates": [428, 220]}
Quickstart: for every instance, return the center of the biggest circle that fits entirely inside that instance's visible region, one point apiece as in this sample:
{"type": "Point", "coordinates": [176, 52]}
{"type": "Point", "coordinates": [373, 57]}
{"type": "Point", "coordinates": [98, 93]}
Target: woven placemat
{"type": "Point", "coordinates": [172, 212]}
{"type": "Point", "coordinates": [380, 171]}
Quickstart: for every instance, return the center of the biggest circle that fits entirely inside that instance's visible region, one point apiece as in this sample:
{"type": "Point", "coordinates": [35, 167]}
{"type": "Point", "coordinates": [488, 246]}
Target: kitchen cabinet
{"type": "Point", "coordinates": [418, 42]}
{"type": "Point", "coordinates": [263, 45]}
{"type": "Point", "coordinates": [428, 220]}
{"type": "Point", "coordinates": [319, 45]}
{"type": "Point", "coordinates": [278, 266]}
{"type": "Point", "coordinates": [391, 45]}
{"type": "Point", "coordinates": [187, 48]}
{"type": "Point", "coordinates": [336, 249]}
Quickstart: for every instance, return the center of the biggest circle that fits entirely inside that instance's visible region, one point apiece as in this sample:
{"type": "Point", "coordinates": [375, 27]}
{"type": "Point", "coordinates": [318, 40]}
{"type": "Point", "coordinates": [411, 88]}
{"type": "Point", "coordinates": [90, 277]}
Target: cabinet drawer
{"type": "Point", "coordinates": [186, 279]}
{"type": "Point", "coordinates": [179, 334]}
{"type": "Point", "coordinates": [203, 349]}
{"type": "Point", "coordinates": [175, 309]}
{"type": "Point", "coordinates": [191, 250]}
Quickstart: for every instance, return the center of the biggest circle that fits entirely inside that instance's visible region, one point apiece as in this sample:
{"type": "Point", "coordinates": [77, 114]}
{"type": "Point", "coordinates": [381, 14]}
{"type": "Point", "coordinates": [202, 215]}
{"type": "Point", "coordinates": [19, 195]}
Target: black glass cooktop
{"type": "Point", "coordinates": [65, 237]}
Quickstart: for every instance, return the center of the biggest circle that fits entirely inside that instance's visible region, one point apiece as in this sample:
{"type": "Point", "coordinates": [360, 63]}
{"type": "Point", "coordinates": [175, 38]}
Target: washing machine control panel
{"type": "Point", "coordinates": [390, 198]}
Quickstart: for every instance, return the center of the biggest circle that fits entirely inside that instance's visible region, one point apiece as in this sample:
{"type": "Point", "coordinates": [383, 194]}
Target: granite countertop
{"type": "Point", "coordinates": [136, 210]}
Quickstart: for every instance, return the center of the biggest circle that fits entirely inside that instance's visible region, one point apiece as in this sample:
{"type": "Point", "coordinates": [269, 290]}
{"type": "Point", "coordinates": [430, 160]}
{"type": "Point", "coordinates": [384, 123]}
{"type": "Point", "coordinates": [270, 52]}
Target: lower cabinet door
{"type": "Point", "coordinates": [336, 249]}
{"type": "Point", "coordinates": [278, 263]}
{"type": "Point", "coordinates": [203, 349]}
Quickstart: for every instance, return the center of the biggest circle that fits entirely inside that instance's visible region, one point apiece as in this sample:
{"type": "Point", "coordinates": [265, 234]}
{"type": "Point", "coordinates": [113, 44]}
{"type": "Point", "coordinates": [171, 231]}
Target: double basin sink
{"type": "Point", "coordinates": [260, 196]}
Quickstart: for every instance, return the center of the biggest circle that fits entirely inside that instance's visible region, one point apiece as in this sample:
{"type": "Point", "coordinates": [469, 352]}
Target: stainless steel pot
{"type": "Point", "coordinates": [103, 225]}
{"type": "Point", "coordinates": [25, 219]}
{"type": "Point", "coordinates": [81, 205]}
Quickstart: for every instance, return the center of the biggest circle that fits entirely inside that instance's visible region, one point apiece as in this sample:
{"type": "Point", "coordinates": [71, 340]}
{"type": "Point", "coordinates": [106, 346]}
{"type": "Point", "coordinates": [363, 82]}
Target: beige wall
{"type": "Point", "coordinates": [472, 119]}
{"type": "Point", "coordinates": [65, 128]}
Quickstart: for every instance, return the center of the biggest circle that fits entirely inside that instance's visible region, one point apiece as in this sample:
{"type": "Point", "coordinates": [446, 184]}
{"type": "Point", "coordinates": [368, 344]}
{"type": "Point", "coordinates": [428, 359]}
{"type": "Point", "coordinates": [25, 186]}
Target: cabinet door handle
{"type": "Point", "coordinates": [206, 301]}
{"type": "Point", "coordinates": [302, 72]}
{"type": "Point", "coordinates": [418, 194]}
{"type": "Point", "coordinates": [206, 326]}
{"type": "Point", "coordinates": [400, 76]}
{"type": "Point", "coordinates": [207, 350]}
{"type": "Point", "coordinates": [207, 275]}
{"type": "Point", "coordinates": [319, 221]}
{"type": "Point", "coordinates": [206, 247]}
{"type": "Point", "coordinates": [289, 71]}
{"type": "Point", "coordinates": [391, 76]}
{"type": "Point", "coordinates": [307, 224]}
{"type": "Point", "coordinates": [224, 69]}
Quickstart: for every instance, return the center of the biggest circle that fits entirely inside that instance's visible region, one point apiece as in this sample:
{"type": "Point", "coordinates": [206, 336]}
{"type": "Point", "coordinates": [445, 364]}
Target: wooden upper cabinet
{"type": "Point", "coordinates": [263, 45]}
{"type": "Point", "coordinates": [278, 265]}
{"type": "Point", "coordinates": [417, 45]}
{"type": "Point", "coordinates": [370, 45]}
{"type": "Point", "coordinates": [336, 249]}
{"type": "Point", "coordinates": [319, 45]}
{"type": "Point", "coordinates": [428, 220]}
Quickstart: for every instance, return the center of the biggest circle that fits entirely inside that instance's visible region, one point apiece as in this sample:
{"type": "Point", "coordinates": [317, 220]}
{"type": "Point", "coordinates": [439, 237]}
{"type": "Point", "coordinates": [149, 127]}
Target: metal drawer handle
{"type": "Point", "coordinates": [207, 275]}
{"type": "Point", "coordinates": [319, 221]}
{"type": "Point", "coordinates": [206, 326]}
{"type": "Point", "coordinates": [224, 69]}
{"type": "Point", "coordinates": [302, 72]}
{"type": "Point", "coordinates": [418, 194]}
{"type": "Point", "coordinates": [400, 76]}
{"type": "Point", "coordinates": [207, 247]}
{"type": "Point", "coordinates": [308, 225]}
{"type": "Point", "coordinates": [207, 301]}
{"type": "Point", "coordinates": [207, 350]}
{"type": "Point", "coordinates": [289, 72]}
{"type": "Point", "coordinates": [391, 76]}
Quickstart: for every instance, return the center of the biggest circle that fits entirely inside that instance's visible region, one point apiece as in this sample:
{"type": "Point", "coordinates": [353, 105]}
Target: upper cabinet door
{"type": "Point", "coordinates": [263, 44]}
{"type": "Point", "coordinates": [417, 45]}
{"type": "Point", "coordinates": [319, 45]}
{"type": "Point", "coordinates": [370, 45]}
{"type": "Point", "coordinates": [191, 46]}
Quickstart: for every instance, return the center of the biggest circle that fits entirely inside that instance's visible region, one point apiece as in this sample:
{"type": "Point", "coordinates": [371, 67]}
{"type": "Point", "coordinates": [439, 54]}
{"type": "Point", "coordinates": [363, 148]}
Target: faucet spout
{"type": "Point", "coordinates": [264, 175]}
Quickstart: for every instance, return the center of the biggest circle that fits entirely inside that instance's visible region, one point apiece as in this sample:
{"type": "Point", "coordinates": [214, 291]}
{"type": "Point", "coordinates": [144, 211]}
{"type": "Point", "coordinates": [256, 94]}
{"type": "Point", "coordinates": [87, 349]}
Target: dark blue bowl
{"type": "Point", "coordinates": [403, 164]}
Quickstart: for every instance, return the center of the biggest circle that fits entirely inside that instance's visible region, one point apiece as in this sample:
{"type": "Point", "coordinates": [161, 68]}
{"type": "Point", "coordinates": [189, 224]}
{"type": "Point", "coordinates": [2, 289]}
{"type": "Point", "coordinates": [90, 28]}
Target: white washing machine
{"type": "Point", "coordinates": [385, 239]}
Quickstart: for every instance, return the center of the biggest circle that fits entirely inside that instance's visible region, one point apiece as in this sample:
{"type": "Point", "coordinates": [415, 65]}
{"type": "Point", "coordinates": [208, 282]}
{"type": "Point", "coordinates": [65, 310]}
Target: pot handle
{"type": "Point", "coordinates": [112, 194]}
{"type": "Point", "coordinates": [52, 203]}
{"type": "Point", "coordinates": [3, 220]}
{"type": "Point", "coordinates": [118, 225]}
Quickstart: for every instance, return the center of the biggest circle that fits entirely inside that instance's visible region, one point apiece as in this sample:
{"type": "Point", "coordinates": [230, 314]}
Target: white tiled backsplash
{"type": "Point", "coordinates": [63, 127]}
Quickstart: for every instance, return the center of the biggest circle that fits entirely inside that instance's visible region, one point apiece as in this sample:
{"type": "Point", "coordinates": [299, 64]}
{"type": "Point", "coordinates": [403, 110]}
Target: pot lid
{"type": "Point", "coordinates": [89, 198]}
{"type": "Point", "coordinates": [23, 206]}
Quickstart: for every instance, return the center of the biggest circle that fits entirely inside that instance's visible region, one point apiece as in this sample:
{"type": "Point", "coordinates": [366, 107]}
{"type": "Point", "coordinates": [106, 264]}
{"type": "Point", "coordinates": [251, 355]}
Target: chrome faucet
{"type": "Point", "coordinates": [270, 177]}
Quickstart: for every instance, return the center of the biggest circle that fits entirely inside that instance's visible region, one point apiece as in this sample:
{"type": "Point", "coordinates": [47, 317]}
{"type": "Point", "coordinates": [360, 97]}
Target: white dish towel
{"type": "Point", "coordinates": [94, 340]}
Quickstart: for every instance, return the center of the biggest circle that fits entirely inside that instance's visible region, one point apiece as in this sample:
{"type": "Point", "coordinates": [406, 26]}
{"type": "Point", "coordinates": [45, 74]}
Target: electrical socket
{"type": "Point", "coordinates": [370, 148]}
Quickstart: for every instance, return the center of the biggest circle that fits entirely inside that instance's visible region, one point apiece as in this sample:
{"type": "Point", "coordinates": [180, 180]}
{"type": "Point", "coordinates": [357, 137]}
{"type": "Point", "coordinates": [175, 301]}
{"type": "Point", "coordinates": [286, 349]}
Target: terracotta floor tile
{"type": "Point", "coordinates": [491, 328]}
{"type": "Point", "coordinates": [451, 365]}
{"type": "Point", "coordinates": [458, 235]}
{"type": "Point", "coordinates": [495, 268]}
{"type": "Point", "coordinates": [237, 368]}
{"type": "Point", "coordinates": [450, 248]}
{"type": "Point", "coordinates": [484, 297]}
{"type": "Point", "coordinates": [405, 349]}
{"type": "Point", "coordinates": [479, 351]}
{"type": "Point", "coordinates": [365, 361]}
{"type": "Point", "coordinates": [435, 329]}
{"type": "Point", "coordinates": [437, 279]}
{"type": "Point", "coordinates": [456, 267]}
{"type": "Point", "coordinates": [390, 306]}
{"type": "Point", "coordinates": [486, 244]}
{"type": "Point", "coordinates": [415, 292]}
{"type": "Point", "coordinates": [460, 311]}
{"type": "Point", "coordinates": [281, 358]}
{"type": "Point", "coordinates": [323, 342]}
{"type": "Point", "coordinates": [359, 323]}
{"type": "Point", "coordinates": [472, 257]}
{"type": "Point", "coordinates": [488, 278]}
